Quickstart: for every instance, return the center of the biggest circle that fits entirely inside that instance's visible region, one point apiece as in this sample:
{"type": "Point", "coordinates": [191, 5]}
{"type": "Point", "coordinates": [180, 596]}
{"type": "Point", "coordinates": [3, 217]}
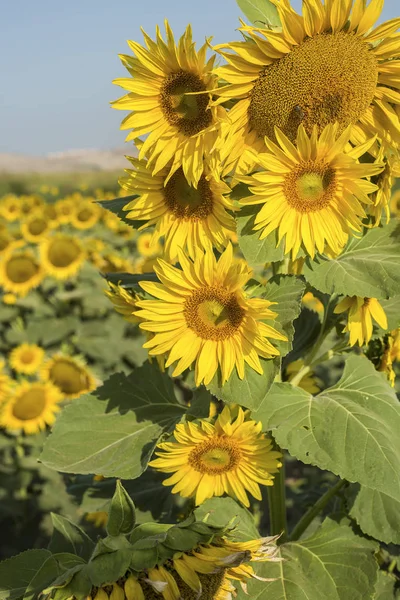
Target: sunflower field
{"type": "Point", "coordinates": [198, 390]}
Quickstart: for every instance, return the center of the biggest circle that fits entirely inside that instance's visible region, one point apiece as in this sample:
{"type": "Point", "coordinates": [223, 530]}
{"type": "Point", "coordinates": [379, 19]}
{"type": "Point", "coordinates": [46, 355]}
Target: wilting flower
{"type": "Point", "coordinates": [361, 311]}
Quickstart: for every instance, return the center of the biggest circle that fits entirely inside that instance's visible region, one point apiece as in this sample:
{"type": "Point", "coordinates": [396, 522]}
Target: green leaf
{"type": "Point", "coordinates": [17, 572]}
{"type": "Point", "coordinates": [113, 431]}
{"type": "Point", "coordinates": [385, 587]}
{"type": "Point", "coordinates": [376, 513]}
{"type": "Point", "coordinates": [200, 403]}
{"type": "Point", "coordinates": [392, 310]}
{"type": "Point", "coordinates": [69, 537]}
{"type": "Point", "coordinates": [116, 206]}
{"type": "Point", "coordinates": [369, 266]}
{"type": "Point", "coordinates": [252, 391]}
{"type": "Point", "coordinates": [109, 567]}
{"type": "Point", "coordinates": [260, 12]}
{"type": "Point", "coordinates": [257, 252]}
{"type": "Point", "coordinates": [121, 517]}
{"type": "Point", "coordinates": [333, 564]}
{"type": "Point", "coordinates": [78, 587]}
{"type": "Point", "coordinates": [46, 574]}
{"type": "Point", "coordinates": [220, 511]}
{"type": "Point", "coordinates": [351, 429]}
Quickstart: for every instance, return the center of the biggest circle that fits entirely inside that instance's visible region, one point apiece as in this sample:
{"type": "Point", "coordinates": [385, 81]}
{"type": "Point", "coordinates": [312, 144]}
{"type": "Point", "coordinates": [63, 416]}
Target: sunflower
{"type": "Point", "coordinates": [169, 99]}
{"type": "Point", "coordinates": [123, 301]}
{"type": "Point", "coordinates": [311, 194]}
{"type": "Point", "coordinates": [231, 456]}
{"type": "Point", "coordinates": [6, 241]}
{"type": "Point", "coordinates": [85, 215]}
{"type": "Point", "coordinates": [361, 311]}
{"type": "Point", "coordinates": [50, 213]}
{"type": "Point", "coordinates": [322, 67]}
{"type": "Point", "coordinates": [147, 246]}
{"type": "Point", "coordinates": [26, 358]}
{"type": "Point", "coordinates": [110, 262]}
{"type": "Point", "coordinates": [381, 198]}
{"type": "Point", "coordinates": [36, 228]}
{"type": "Point", "coordinates": [313, 303]}
{"type": "Point", "coordinates": [10, 208]}
{"type": "Point", "coordinates": [308, 382]}
{"type": "Point", "coordinates": [99, 518]}
{"type": "Point", "coordinates": [187, 217]}
{"type": "Point", "coordinates": [62, 255]}
{"type": "Point", "coordinates": [6, 384]}
{"type": "Point", "coordinates": [31, 406]}
{"type": "Point", "coordinates": [20, 271]}
{"type": "Point", "coordinates": [69, 375]}
{"type": "Point", "coordinates": [203, 316]}
{"type": "Point", "coordinates": [65, 209]}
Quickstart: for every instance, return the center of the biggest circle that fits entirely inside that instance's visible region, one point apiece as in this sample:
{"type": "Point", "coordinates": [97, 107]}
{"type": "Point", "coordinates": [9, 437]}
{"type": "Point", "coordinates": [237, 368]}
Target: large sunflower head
{"type": "Point", "coordinates": [201, 315]}
{"type": "Point", "coordinates": [313, 193]}
{"type": "Point", "coordinates": [85, 215]}
{"type": "Point", "coordinates": [187, 217]}
{"type": "Point", "coordinates": [169, 94]}
{"type": "Point", "coordinates": [323, 67]}
{"type": "Point", "coordinates": [62, 255]}
{"type": "Point", "coordinates": [26, 358]}
{"type": "Point", "coordinates": [69, 375]}
{"type": "Point", "coordinates": [230, 456]}
{"type": "Point", "coordinates": [20, 271]}
{"type": "Point", "coordinates": [31, 406]}
{"type": "Point", "coordinates": [36, 228]}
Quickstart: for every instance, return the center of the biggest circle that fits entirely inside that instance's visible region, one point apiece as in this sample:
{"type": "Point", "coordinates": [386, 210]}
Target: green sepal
{"type": "Point", "coordinates": [121, 516]}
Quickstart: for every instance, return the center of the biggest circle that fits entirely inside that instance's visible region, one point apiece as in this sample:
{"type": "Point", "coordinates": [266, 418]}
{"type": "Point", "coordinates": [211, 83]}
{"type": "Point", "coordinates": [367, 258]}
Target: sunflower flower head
{"type": "Point", "coordinates": [85, 215]}
{"type": "Point", "coordinates": [187, 217]}
{"type": "Point", "coordinates": [325, 66]}
{"type": "Point", "coordinates": [62, 255]}
{"type": "Point", "coordinates": [147, 246]}
{"type": "Point", "coordinates": [201, 316]}
{"type": "Point", "coordinates": [69, 375]}
{"type": "Point", "coordinates": [169, 94]}
{"type": "Point", "coordinates": [36, 227]}
{"type": "Point", "coordinates": [30, 406]}
{"type": "Point", "coordinates": [229, 456]}
{"type": "Point", "coordinates": [312, 193]}
{"type": "Point", "coordinates": [20, 271]}
{"type": "Point", "coordinates": [26, 358]}
{"type": "Point", "coordinates": [360, 313]}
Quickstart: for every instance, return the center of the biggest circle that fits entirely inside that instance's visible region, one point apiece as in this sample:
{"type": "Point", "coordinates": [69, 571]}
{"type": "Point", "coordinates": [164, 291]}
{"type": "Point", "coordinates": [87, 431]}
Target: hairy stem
{"type": "Point", "coordinates": [277, 504]}
{"type": "Point", "coordinates": [312, 512]}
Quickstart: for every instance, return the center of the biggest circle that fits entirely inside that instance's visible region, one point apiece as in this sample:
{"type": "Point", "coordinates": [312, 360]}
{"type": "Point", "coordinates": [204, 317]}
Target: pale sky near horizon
{"type": "Point", "coordinates": [58, 58]}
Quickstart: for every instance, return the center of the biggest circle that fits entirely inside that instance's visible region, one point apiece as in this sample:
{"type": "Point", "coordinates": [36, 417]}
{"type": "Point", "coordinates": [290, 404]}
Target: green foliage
{"type": "Point", "coordinates": [68, 537]}
{"type": "Point", "coordinates": [17, 572]}
{"type": "Point", "coordinates": [377, 513]}
{"type": "Point", "coordinates": [257, 252]}
{"type": "Point", "coordinates": [385, 587]}
{"type": "Point", "coordinates": [220, 512]}
{"type": "Point", "coordinates": [121, 517]}
{"type": "Point", "coordinates": [369, 266]}
{"type": "Point", "coordinates": [334, 564]}
{"type": "Point", "coordinates": [350, 429]}
{"type": "Point", "coordinates": [252, 391]}
{"type": "Point", "coordinates": [261, 13]}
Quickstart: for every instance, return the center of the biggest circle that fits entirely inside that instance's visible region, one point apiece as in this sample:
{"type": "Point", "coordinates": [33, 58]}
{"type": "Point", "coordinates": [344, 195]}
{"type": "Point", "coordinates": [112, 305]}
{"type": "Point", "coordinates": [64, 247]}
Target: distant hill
{"type": "Point", "coordinates": [69, 161]}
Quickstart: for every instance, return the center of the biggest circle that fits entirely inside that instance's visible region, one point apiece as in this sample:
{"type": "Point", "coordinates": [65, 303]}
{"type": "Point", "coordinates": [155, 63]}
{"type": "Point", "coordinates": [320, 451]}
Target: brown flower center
{"type": "Point", "coordinates": [189, 114]}
{"type": "Point", "coordinates": [68, 377]}
{"type": "Point", "coordinates": [310, 186]}
{"type": "Point", "coordinates": [186, 202]}
{"type": "Point", "coordinates": [214, 456]}
{"type": "Point", "coordinates": [213, 313]}
{"type": "Point", "coordinates": [21, 269]}
{"type": "Point", "coordinates": [30, 404]}
{"type": "Point", "coordinates": [330, 77]}
{"type": "Point", "coordinates": [63, 252]}
{"type": "Point", "coordinates": [37, 226]}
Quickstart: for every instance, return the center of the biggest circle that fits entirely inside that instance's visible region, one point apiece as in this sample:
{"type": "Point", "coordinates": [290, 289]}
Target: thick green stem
{"type": "Point", "coordinates": [277, 505]}
{"type": "Point", "coordinates": [312, 512]}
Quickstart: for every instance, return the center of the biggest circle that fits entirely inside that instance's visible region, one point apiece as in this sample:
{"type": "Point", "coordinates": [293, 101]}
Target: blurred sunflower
{"type": "Point", "coordinates": [308, 382]}
{"type": "Point", "coordinates": [169, 94]}
{"type": "Point", "coordinates": [313, 193]}
{"type": "Point", "coordinates": [147, 246]}
{"type": "Point", "coordinates": [31, 406]}
{"type": "Point", "coordinates": [65, 210]}
{"type": "Point", "coordinates": [361, 311]}
{"type": "Point", "coordinates": [99, 518]}
{"type": "Point", "coordinates": [231, 456]}
{"type": "Point", "coordinates": [325, 66]}
{"type": "Point", "coordinates": [62, 255]}
{"type": "Point", "coordinates": [203, 316]}
{"type": "Point", "coordinates": [26, 358]}
{"type": "Point", "coordinates": [110, 262]}
{"type": "Point", "coordinates": [123, 301]}
{"type": "Point", "coordinates": [10, 208]}
{"type": "Point", "coordinates": [395, 204]}
{"type": "Point", "coordinates": [85, 215]}
{"type": "Point", "coordinates": [35, 228]}
{"type": "Point", "coordinates": [187, 217]}
{"type": "Point", "coordinates": [6, 241]}
{"type": "Point", "coordinates": [50, 213]}
{"type": "Point", "coordinates": [313, 303]}
{"type": "Point", "coordinates": [6, 383]}
{"type": "Point", "coordinates": [20, 271]}
{"type": "Point", "coordinates": [69, 375]}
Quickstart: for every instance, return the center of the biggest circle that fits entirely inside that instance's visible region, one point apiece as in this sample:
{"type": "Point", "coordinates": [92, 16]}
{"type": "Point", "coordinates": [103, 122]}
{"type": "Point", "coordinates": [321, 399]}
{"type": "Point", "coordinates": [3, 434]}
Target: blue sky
{"type": "Point", "coordinates": [57, 60]}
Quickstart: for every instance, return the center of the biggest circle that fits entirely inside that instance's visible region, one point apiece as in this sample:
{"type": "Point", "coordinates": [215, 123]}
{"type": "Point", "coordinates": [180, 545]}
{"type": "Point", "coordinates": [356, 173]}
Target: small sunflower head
{"type": "Point", "coordinates": [69, 375]}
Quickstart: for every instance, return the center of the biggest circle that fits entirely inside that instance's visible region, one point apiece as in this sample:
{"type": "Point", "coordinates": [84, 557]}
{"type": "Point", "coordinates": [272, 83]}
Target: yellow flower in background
{"type": "Point", "coordinates": [85, 215]}
{"type": "Point", "coordinates": [7, 240]}
{"type": "Point", "coordinates": [187, 217]}
{"type": "Point", "coordinates": [148, 247]}
{"type": "Point", "coordinates": [26, 358]}
{"type": "Point", "coordinates": [203, 316]}
{"type": "Point", "coordinates": [124, 302]}
{"type": "Point", "coordinates": [65, 210]}
{"type": "Point", "coordinates": [322, 67]}
{"type": "Point", "coordinates": [395, 204]}
{"type": "Point", "coordinates": [311, 195]}
{"type": "Point", "coordinates": [6, 384]}
{"type": "Point", "coordinates": [10, 208]}
{"type": "Point", "coordinates": [313, 303]}
{"type": "Point", "coordinates": [69, 375]}
{"type": "Point", "coordinates": [36, 228]}
{"type": "Point", "coordinates": [50, 213]}
{"type": "Point", "coordinates": [20, 271]}
{"type": "Point", "coordinates": [9, 299]}
{"type": "Point", "coordinates": [99, 518]}
{"type": "Point", "coordinates": [167, 94]}
{"type": "Point", "coordinates": [361, 311]}
{"type": "Point", "coordinates": [231, 456]}
{"type": "Point", "coordinates": [31, 407]}
{"type": "Point", "coordinates": [110, 262]}
{"type": "Point", "coordinates": [62, 255]}
{"type": "Point", "coordinates": [308, 382]}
